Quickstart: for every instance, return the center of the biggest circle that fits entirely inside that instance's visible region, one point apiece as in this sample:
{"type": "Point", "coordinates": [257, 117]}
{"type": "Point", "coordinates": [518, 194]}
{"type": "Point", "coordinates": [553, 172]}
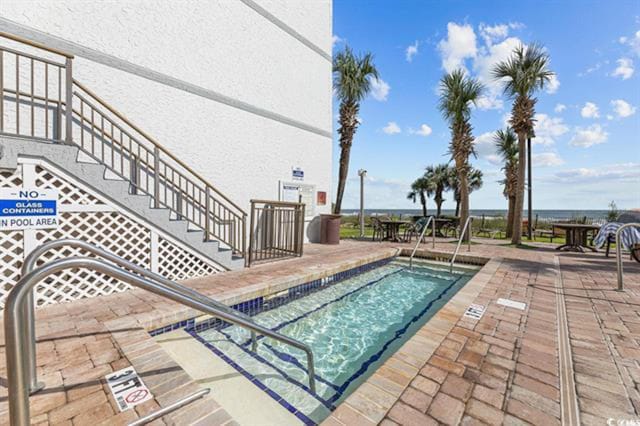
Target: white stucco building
{"type": "Point", "coordinates": [240, 90]}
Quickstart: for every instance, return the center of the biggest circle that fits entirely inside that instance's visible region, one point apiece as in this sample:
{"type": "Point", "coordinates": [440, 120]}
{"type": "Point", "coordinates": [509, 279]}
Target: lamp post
{"type": "Point", "coordinates": [530, 208]}
{"type": "Point", "coordinates": [362, 173]}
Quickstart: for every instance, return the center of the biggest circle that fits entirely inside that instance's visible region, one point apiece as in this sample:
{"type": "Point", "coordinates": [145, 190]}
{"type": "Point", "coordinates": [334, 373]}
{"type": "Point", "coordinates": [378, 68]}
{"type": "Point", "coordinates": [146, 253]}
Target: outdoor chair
{"type": "Point", "coordinates": [414, 229]}
{"type": "Point", "coordinates": [627, 217]}
{"type": "Point", "coordinates": [378, 229]}
{"type": "Point", "coordinates": [489, 232]}
{"type": "Point", "coordinates": [451, 228]}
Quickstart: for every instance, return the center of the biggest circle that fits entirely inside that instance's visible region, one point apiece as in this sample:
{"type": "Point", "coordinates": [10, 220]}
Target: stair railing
{"type": "Point", "coordinates": [18, 350]}
{"type": "Point", "coordinates": [40, 90]}
{"type": "Point", "coordinates": [462, 234]}
{"type": "Point", "coordinates": [424, 230]}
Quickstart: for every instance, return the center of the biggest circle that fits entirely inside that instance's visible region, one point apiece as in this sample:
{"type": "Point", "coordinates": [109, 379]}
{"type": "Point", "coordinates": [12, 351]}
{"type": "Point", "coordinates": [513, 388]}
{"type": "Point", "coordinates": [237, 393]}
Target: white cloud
{"type": "Point", "coordinates": [559, 108]}
{"type": "Point", "coordinates": [391, 128]}
{"type": "Point", "coordinates": [335, 40]}
{"type": "Point", "coordinates": [379, 89]}
{"type": "Point", "coordinates": [632, 42]}
{"type": "Point", "coordinates": [624, 172]}
{"type": "Point", "coordinates": [493, 33]}
{"type": "Point", "coordinates": [622, 108]}
{"type": "Point", "coordinates": [486, 149]}
{"type": "Point", "coordinates": [459, 45]}
{"type": "Point", "coordinates": [483, 65]}
{"type": "Point", "coordinates": [624, 69]}
{"type": "Point", "coordinates": [546, 159]}
{"type": "Point", "coordinates": [590, 110]}
{"type": "Point", "coordinates": [553, 85]}
{"type": "Point", "coordinates": [548, 129]}
{"type": "Point", "coordinates": [411, 51]}
{"type": "Point", "coordinates": [589, 136]}
{"type": "Point", "coordinates": [424, 130]}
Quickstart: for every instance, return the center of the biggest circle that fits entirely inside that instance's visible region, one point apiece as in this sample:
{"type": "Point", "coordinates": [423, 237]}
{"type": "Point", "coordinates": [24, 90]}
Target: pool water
{"type": "Point", "coordinates": [352, 326]}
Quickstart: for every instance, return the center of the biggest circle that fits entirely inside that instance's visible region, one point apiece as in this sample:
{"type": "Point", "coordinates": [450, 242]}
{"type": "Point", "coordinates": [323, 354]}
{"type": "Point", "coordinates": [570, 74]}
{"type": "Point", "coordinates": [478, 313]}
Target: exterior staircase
{"type": "Point", "coordinates": [75, 130]}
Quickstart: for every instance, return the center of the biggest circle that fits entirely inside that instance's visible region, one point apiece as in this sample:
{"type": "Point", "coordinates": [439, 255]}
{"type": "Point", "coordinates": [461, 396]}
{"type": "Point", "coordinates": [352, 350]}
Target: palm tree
{"type": "Point", "coordinates": [507, 148]}
{"type": "Point", "coordinates": [351, 81]}
{"type": "Point", "coordinates": [457, 93]}
{"type": "Point", "coordinates": [421, 188]}
{"type": "Point", "coordinates": [438, 177]}
{"type": "Point", "coordinates": [525, 72]}
{"type": "Point", "coordinates": [475, 182]}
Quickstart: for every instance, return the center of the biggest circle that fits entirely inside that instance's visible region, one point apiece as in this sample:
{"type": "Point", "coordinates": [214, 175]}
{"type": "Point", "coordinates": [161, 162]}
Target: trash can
{"type": "Point", "coordinates": [330, 228]}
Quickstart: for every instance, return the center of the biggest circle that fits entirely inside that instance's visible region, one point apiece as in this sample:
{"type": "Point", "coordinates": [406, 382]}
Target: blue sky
{"type": "Point", "coordinates": [587, 152]}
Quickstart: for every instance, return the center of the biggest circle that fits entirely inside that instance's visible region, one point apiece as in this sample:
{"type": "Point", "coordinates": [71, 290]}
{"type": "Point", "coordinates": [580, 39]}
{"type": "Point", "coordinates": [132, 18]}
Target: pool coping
{"type": "Point", "coordinates": [370, 402]}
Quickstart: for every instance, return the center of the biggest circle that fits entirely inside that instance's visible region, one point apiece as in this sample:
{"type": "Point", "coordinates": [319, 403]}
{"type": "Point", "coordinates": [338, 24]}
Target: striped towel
{"type": "Point", "coordinates": [629, 237]}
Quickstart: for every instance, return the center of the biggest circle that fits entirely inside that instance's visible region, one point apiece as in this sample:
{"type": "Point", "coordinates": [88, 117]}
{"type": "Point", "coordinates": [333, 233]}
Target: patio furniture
{"type": "Point", "coordinates": [576, 236]}
{"type": "Point", "coordinates": [630, 237]}
{"type": "Point", "coordinates": [392, 229]}
{"type": "Point", "coordinates": [378, 229]}
{"type": "Point", "coordinates": [442, 226]}
{"type": "Point", "coordinates": [489, 232]}
{"type": "Point", "coordinates": [414, 229]}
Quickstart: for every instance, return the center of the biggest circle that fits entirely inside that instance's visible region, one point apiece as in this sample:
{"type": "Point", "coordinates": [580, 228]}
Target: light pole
{"type": "Point", "coordinates": [362, 173]}
{"type": "Point", "coordinates": [530, 209]}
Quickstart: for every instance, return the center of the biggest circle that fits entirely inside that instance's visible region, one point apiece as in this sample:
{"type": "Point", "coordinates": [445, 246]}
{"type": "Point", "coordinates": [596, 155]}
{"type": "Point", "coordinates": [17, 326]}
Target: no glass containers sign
{"type": "Point", "coordinates": [24, 208]}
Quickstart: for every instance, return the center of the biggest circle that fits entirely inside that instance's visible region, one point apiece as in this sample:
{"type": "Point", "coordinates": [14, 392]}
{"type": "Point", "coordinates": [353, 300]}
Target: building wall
{"type": "Point", "coordinates": [239, 90]}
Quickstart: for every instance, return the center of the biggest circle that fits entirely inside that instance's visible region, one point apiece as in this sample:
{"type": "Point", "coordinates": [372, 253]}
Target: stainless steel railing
{"type": "Point", "coordinates": [28, 315]}
{"type": "Point", "coordinates": [462, 234]}
{"type": "Point", "coordinates": [19, 350]}
{"type": "Point", "coordinates": [620, 271]}
{"type": "Point", "coordinates": [424, 230]}
{"type": "Point", "coordinates": [169, 408]}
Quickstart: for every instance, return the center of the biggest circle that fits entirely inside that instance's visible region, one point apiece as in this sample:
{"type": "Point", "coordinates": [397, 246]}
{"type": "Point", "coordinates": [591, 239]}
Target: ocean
{"type": "Point", "coordinates": [542, 214]}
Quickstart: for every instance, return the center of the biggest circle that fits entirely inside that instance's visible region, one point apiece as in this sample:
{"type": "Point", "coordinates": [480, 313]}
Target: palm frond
{"type": "Point", "coordinates": [352, 75]}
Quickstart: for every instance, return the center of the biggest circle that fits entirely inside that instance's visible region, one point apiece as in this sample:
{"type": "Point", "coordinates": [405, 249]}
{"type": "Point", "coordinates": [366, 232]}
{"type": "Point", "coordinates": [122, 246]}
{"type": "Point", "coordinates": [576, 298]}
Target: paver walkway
{"type": "Point", "coordinates": [504, 368]}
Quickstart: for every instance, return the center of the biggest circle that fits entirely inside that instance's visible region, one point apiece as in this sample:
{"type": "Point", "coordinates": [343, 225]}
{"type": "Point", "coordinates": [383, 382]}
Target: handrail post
{"type": "Point", "coordinates": [156, 178]}
{"type": "Point", "coordinates": [455, 253]}
{"type": "Point", "coordinates": [207, 212]}
{"type": "Point", "coordinates": [619, 266]}
{"type": "Point", "coordinates": [68, 81]}
{"type": "Point", "coordinates": [433, 233]}
{"type": "Point", "coordinates": [251, 224]}
{"type": "Point", "coordinates": [424, 230]}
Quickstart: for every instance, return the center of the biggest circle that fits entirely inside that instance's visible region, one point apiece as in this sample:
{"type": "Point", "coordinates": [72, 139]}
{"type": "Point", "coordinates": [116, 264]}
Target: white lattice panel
{"type": "Point", "coordinates": [178, 264]}
{"type": "Point", "coordinates": [112, 230]}
{"type": "Point", "coordinates": [10, 242]}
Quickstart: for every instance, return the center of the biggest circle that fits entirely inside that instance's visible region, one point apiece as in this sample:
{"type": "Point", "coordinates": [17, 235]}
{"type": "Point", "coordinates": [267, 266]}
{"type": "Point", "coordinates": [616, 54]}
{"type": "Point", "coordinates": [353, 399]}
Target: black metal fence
{"type": "Point", "coordinates": [276, 230]}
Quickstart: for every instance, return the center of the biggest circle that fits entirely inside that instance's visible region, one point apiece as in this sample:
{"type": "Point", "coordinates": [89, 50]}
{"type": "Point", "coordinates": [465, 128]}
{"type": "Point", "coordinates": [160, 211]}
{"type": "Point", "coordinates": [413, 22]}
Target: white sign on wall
{"type": "Point", "coordinates": [296, 192]}
{"type": "Point", "coordinates": [28, 208]}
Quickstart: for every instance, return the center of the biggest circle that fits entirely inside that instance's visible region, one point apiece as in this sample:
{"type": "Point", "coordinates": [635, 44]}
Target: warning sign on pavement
{"type": "Point", "coordinates": [127, 388]}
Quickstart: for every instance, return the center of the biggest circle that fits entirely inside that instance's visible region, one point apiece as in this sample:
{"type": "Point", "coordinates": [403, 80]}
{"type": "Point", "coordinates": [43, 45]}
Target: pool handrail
{"type": "Point", "coordinates": [464, 230]}
{"type": "Point", "coordinates": [30, 264]}
{"type": "Point", "coordinates": [169, 408]}
{"type": "Point", "coordinates": [18, 350]}
{"type": "Point", "coordinates": [620, 271]}
{"type": "Point", "coordinates": [424, 230]}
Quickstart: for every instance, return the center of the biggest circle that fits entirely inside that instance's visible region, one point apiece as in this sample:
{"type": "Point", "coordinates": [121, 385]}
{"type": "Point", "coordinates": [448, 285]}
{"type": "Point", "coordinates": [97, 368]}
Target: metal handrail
{"type": "Point", "coordinates": [35, 44]}
{"type": "Point", "coordinates": [455, 253]}
{"type": "Point", "coordinates": [619, 253]}
{"type": "Point", "coordinates": [424, 230]}
{"type": "Point", "coordinates": [17, 349]}
{"type": "Point", "coordinates": [169, 408]}
{"type": "Point", "coordinates": [29, 317]}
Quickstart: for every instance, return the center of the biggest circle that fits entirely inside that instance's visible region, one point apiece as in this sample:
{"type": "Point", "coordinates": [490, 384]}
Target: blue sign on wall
{"type": "Point", "coordinates": [24, 208]}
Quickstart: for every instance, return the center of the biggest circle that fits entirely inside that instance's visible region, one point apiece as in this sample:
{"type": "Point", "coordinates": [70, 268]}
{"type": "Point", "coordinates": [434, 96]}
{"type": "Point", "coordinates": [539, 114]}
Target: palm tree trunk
{"type": "Point", "coordinates": [512, 202]}
{"type": "Point", "coordinates": [516, 237]}
{"type": "Point", "coordinates": [462, 206]}
{"type": "Point", "coordinates": [423, 201]}
{"type": "Point", "coordinates": [438, 199]}
{"type": "Point", "coordinates": [458, 207]}
{"type": "Point", "coordinates": [348, 124]}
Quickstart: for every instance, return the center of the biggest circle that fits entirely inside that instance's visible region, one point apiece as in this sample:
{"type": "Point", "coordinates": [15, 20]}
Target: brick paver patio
{"type": "Point", "coordinates": [573, 354]}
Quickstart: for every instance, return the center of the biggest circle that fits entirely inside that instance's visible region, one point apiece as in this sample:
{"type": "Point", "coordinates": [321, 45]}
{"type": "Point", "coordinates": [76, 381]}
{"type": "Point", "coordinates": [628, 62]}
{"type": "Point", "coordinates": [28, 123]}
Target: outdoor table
{"type": "Point", "coordinates": [576, 236]}
{"type": "Point", "coordinates": [392, 229]}
{"type": "Point", "coordinates": [440, 223]}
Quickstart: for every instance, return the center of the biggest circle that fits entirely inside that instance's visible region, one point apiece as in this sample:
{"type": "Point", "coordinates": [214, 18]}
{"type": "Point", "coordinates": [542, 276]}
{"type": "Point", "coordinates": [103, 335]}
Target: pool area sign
{"type": "Point", "coordinates": [297, 174]}
{"type": "Point", "coordinates": [127, 388]}
{"type": "Point", "coordinates": [28, 208]}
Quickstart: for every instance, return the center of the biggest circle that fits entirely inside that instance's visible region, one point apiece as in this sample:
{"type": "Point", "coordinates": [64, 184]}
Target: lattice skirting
{"type": "Point", "coordinates": [90, 217]}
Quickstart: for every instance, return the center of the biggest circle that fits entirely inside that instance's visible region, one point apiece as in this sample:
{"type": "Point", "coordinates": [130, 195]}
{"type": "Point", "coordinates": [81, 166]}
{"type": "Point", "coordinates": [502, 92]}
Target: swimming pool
{"type": "Point", "coordinates": [353, 321]}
